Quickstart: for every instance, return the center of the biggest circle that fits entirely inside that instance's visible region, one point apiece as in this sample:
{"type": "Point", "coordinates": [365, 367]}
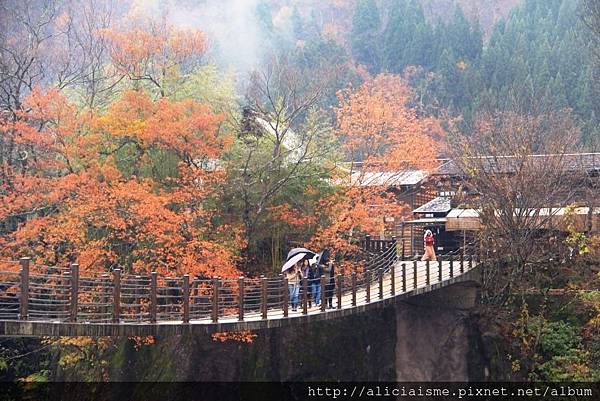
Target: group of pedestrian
{"type": "Point", "coordinates": [313, 273]}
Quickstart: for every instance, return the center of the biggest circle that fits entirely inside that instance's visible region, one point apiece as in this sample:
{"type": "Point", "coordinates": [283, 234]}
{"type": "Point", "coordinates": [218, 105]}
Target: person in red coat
{"type": "Point", "coordinates": [428, 246]}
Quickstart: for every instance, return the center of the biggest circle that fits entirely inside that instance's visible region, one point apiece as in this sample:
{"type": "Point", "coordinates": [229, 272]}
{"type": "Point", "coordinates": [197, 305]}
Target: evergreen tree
{"type": "Point", "coordinates": [366, 25]}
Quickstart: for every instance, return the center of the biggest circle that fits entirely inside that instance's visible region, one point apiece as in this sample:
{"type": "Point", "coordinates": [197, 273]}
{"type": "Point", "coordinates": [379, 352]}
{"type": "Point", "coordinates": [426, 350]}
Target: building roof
{"type": "Point", "coordinates": [428, 220]}
{"type": "Point", "coordinates": [508, 164]}
{"type": "Point", "coordinates": [388, 178]}
{"type": "Point", "coordinates": [441, 204]}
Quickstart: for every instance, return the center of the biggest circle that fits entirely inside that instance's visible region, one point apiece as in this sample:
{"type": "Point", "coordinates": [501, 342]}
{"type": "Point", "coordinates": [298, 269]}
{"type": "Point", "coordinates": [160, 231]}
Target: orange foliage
{"type": "Point", "coordinates": [293, 217]}
{"type": "Point", "coordinates": [378, 128]}
{"type": "Point", "coordinates": [156, 53]}
{"type": "Point", "coordinates": [241, 336]}
{"type": "Point", "coordinates": [93, 188]}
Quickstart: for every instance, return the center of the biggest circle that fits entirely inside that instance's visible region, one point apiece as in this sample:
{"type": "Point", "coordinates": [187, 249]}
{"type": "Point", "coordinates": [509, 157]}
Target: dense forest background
{"type": "Point", "coordinates": [462, 58]}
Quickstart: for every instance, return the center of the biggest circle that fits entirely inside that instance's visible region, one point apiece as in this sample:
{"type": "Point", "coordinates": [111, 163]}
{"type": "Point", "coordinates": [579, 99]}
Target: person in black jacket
{"type": "Point", "coordinates": [329, 272]}
{"type": "Point", "coordinates": [306, 272]}
{"type": "Point", "coordinates": [316, 271]}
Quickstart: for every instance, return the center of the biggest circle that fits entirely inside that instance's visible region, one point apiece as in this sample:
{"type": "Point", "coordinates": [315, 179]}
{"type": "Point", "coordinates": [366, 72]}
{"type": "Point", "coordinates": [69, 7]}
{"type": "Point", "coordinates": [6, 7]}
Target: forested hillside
{"type": "Point", "coordinates": [531, 57]}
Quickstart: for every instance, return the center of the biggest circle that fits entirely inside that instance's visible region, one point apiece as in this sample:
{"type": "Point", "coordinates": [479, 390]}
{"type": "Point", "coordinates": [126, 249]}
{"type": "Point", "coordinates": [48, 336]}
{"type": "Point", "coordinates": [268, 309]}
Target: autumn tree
{"type": "Point", "coordinates": [377, 127]}
{"type": "Point", "coordinates": [155, 53]}
{"type": "Point", "coordinates": [519, 174]}
{"type": "Point", "coordinates": [284, 146]}
{"type": "Point", "coordinates": [130, 187]}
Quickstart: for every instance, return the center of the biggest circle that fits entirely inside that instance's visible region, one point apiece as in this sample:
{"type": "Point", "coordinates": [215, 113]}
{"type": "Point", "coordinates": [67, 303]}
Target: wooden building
{"type": "Point", "coordinates": [444, 206]}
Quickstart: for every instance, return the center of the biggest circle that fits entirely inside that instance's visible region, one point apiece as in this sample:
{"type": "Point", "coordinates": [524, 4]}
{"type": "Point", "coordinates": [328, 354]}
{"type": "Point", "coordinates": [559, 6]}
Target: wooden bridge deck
{"type": "Point", "coordinates": [398, 281]}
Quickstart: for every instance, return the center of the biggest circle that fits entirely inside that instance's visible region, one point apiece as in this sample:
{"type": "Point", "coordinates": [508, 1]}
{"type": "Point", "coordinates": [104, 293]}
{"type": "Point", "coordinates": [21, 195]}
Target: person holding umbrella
{"type": "Point", "coordinates": [293, 276]}
{"type": "Point", "coordinates": [292, 270]}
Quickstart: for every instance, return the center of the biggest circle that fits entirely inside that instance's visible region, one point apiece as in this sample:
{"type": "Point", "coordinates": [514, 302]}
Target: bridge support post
{"type": "Point", "coordinates": [380, 277]}
{"type": "Point", "coordinates": [354, 286]}
{"type": "Point", "coordinates": [304, 296]}
{"type": "Point", "coordinates": [368, 285]}
{"type": "Point", "coordinates": [263, 297]}
{"type": "Point", "coordinates": [428, 272]}
{"type": "Point", "coordinates": [338, 285]}
{"type": "Point", "coordinates": [393, 279]}
{"type": "Point", "coordinates": [116, 295]}
{"type": "Point", "coordinates": [74, 291]}
{"type": "Point", "coordinates": [153, 297]}
{"type": "Point", "coordinates": [415, 274]}
{"type": "Point", "coordinates": [286, 297]}
{"type": "Point", "coordinates": [403, 277]}
{"type": "Point", "coordinates": [241, 299]}
{"type": "Point", "coordinates": [440, 270]}
{"type": "Point", "coordinates": [186, 298]}
{"type": "Point", "coordinates": [462, 262]}
{"type": "Point", "coordinates": [368, 243]}
{"type": "Point", "coordinates": [470, 265]}
{"type": "Point", "coordinates": [24, 296]}
{"type": "Point", "coordinates": [323, 295]}
{"type": "Point", "coordinates": [451, 266]}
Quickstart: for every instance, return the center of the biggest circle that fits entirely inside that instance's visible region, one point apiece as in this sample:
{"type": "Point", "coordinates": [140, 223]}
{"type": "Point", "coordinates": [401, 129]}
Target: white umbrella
{"type": "Point", "coordinates": [293, 260]}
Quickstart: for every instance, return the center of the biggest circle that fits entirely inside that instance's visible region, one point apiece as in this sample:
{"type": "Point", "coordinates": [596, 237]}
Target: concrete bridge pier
{"type": "Point", "coordinates": [435, 337]}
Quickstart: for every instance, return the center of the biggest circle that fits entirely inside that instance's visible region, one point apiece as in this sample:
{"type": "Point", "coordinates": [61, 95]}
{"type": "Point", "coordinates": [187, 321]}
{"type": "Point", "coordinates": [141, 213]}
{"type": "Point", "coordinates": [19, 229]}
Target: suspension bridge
{"type": "Point", "coordinates": [39, 300]}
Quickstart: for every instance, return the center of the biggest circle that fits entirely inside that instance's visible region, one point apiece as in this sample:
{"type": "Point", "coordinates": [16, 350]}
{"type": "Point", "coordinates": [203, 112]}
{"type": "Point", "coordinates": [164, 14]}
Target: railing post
{"type": "Point", "coordinates": [368, 243]}
{"type": "Point", "coordinates": [440, 270]}
{"type": "Point", "coordinates": [286, 297]}
{"type": "Point", "coordinates": [116, 295]}
{"type": "Point", "coordinates": [186, 298]}
{"type": "Point", "coordinates": [462, 263]}
{"type": "Point", "coordinates": [393, 280]}
{"type": "Point", "coordinates": [451, 266]}
{"type": "Point", "coordinates": [24, 296]}
{"type": "Point", "coordinates": [402, 252]}
{"type": "Point", "coordinates": [304, 295]}
{"type": "Point", "coordinates": [380, 274]}
{"type": "Point", "coordinates": [403, 277]}
{"type": "Point", "coordinates": [428, 273]}
{"type": "Point", "coordinates": [74, 290]}
{"type": "Point", "coordinates": [323, 295]}
{"type": "Point", "coordinates": [415, 274]}
{"type": "Point", "coordinates": [241, 298]}
{"type": "Point", "coordinates": [153, 297]}
{"type": "Point", "coordinates": [470, 262]}
{"type": "Point", "coordinates": [65, 279]}
{"type": "Point", "coordinates": [368, 285]}
{"type": "Point", "coordinates": [263, 297]}
{"type": "Point", "coordinates": [215, 300]}
{"type": "Point", "coordinates": [105, 288]}
{"type": "Point", "coordinates": [354, 286]}
{"type": "Point", "coordinates": [338, 285]}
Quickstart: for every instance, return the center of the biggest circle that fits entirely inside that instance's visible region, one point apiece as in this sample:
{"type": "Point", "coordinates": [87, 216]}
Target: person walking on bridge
{"type": "Point", "coordinates": [329, 272]}
{"type": "Point", "coordinates": [316, 271]}
{"type": "Point", "coordinates": [428, 241]}
{"type": "Point", "coordinates": [293, 276]}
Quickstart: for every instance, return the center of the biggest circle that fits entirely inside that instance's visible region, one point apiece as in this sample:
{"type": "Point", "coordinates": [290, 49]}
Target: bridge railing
{"type": "Point", "coordinates": [46, 293]}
